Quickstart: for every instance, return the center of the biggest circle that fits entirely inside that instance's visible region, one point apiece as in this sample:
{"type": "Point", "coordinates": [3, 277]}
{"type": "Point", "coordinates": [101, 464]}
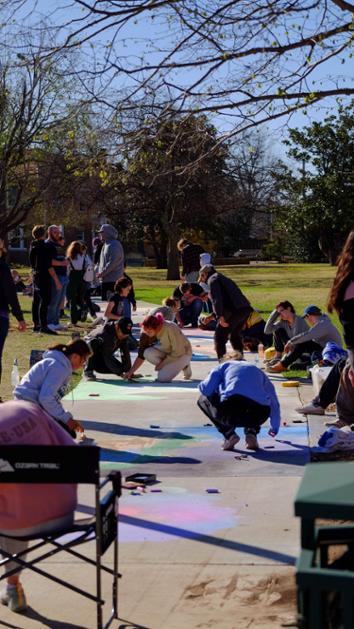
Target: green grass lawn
{"type": "Point", "coordinates": [264, 285]}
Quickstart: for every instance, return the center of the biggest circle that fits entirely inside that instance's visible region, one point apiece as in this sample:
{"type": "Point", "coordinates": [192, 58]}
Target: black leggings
{"type": "Point", "coordinates": [236, 411]}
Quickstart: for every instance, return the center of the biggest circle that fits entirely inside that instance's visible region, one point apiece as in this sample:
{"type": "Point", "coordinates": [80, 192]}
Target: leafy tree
{"type": "Point", "coordinates": [318, 203]}
{"type": "Point", "coordinates": [31, 103]}
{"type": "Point", "coordinates": [165, 198]}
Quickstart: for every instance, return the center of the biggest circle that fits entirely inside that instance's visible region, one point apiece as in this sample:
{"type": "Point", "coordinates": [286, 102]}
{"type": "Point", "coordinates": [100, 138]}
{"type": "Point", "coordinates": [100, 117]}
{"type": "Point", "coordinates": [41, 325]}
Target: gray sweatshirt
{"type": "Point", "coordinates": [111, 264]}
{"type": "Point", "coordinates": [322, 332]}
{"type": "Point", "coordinates": [45, 383]}
{"type": "Point", "coordinates": [274, 323]}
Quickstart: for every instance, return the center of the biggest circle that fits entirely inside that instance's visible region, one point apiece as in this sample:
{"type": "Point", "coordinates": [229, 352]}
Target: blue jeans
{"type": "Point", "coordinates": [53, 314]}
{"type": "Point", "coordinates": [4, 328]}
{"type": "Point", "coordinates": [190, 313]}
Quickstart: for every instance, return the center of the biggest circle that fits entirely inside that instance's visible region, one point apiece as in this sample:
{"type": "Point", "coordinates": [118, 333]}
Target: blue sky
{"type": "Point", "coordinates": [134, 38]}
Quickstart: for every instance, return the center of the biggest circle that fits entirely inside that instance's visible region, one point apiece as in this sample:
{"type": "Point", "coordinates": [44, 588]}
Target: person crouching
{"type": "Point", "coordinates": [104, 342]}
{"type": "Point", "coordinates": [238, 394]}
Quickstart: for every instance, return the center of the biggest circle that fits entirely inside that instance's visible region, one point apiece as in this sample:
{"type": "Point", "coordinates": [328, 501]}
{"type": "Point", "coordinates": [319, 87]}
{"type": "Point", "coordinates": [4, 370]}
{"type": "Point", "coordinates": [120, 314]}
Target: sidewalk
{"type": "Point", "coordinates": [190, 559]}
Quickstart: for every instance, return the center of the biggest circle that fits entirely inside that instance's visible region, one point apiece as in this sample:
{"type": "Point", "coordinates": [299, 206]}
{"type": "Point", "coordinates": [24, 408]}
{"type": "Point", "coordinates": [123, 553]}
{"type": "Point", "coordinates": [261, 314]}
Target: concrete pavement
{"type": "Point", "coordinates": [189, 558]}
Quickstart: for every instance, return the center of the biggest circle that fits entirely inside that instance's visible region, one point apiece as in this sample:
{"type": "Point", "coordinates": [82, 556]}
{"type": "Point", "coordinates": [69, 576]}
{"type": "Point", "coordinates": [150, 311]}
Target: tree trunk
{"type": "Point", "coordinates": [172, 256]}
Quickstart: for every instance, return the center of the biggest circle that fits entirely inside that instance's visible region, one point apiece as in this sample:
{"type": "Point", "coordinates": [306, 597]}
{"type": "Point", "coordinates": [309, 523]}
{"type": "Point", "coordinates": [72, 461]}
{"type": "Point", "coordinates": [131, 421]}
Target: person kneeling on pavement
{"type": "Point", "coordinates": [104, 342]}
{"type": "Point", "coordinates": [163, 344]}
{"type": "Point", "coordinates": [238, 394]}
{"type": "Point", "coordinates": [313, 340]}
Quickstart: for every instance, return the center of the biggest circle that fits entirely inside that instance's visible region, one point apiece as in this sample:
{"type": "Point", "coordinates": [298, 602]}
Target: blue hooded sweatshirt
{"type": "Point", "coordinates": [238, 377]}
{"type": "Point", "coordinates": [44, 383]}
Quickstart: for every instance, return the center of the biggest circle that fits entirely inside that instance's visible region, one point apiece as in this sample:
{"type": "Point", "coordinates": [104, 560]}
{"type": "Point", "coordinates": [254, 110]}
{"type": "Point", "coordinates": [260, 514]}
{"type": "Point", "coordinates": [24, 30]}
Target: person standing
{"type": "Point", "coordinates": [55, 239]}
{"type": "Point", "coordinates": [190, 258]}
{"type": "Point", "coordinates": [8, 300]}
{"type": "Point", "coordinates": [111, 264]}
{"type": "Point", "coordinates": [230, 306]}
{"type": "Point", "coordinates": [341, 296]}
{"type": "Point", "coordinates": [43, 275]}
{"type": "Point", "coordinates": [76, 286]}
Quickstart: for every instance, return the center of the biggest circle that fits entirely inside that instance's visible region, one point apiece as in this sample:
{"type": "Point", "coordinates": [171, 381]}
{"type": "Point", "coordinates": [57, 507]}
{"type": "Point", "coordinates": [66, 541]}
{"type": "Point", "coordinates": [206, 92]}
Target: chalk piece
{"type": "Point", "coordinates": [299, 421]}
{"type": "Point", "coordinates": [155, 491]}
{"type": "Point", "coordinates": [290, 383]}
{"type": "Point", "coordinates": [154, 426]}
{"type": "Point", "coordinates": [269, 447]}
{"type": "Point", "coordinates": [207, 424]}
{"type": "Point", "coordinates": [135, 493]}
{"type": "Point", "coordinates": [129, 485]}
{"type": "Point", "coordinates": [285, 424]}
{"type": "Point", "coordinates": [212, 490]}
{"type": "Point", "coordinates": [94, 394]}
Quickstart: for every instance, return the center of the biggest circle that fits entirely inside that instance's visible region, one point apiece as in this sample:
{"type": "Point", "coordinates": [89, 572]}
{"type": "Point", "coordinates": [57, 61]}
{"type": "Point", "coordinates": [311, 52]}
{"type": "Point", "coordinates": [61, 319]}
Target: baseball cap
{"type": "Point", "coordinates": [311, 310]}
{"type": "Point", "coordinates": [125, 325]}
{"type": "Point", "coordinates": [207, 268]}
{"type": "Point", "coordinates": [103, 228]}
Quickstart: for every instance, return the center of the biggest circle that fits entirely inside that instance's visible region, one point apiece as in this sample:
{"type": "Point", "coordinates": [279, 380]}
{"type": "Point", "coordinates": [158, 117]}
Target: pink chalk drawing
{"type": "Point", "coordinates": [174, 513]}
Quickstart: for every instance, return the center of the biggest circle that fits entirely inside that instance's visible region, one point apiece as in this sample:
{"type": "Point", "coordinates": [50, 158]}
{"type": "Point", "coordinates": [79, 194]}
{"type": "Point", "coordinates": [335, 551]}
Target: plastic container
{"type": "Point", "coordinates": [15, 374]}
{"type": "Point", "coordinates": [269, 353]}
{"type": "Point", "coordinates": [261, 351]}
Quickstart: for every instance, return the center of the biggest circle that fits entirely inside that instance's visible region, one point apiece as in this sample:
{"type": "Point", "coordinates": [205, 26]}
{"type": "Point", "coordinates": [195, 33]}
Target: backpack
{"type": "Point", "coordinates": [89, 274]}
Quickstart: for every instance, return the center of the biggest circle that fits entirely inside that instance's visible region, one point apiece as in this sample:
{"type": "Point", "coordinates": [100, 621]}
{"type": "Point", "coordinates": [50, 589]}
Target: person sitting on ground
{"type": "Point", "coordinates": [230, 307]}
{"type": "Point", "coordinates": [46, 382]}
{"type": "Point", "coordinates": [313, 340]}
{"type": "Point", "coordinates": [104, 342]}
{"type": "Point", "coordinates": [116, 305]}
{"type": "Point", "coordinates": [284, 323]}
{"type": "Point", "coordinates": [32, 508]}
{"type": "Point", "coordinates": [171, 351]}
{"type": "Point", "coordinates": [238, 394]}
{"type": "Point", "coordinates": [339, 388]}
{"type": "Point", "coordinates": [169, 309]}
{"type": "Point", "coordinates": [192, 298]}
{"type": "Point", "coordinates": [252, 334]}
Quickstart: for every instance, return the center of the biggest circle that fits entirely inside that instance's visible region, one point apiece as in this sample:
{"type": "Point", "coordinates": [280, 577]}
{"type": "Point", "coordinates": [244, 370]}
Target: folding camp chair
{"type": "Point", "coordinates": [68, 464]}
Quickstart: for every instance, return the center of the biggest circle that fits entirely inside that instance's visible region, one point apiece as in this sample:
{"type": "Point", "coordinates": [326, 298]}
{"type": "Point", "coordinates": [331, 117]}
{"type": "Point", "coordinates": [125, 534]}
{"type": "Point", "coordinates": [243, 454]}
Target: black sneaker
{"type": "Point", "coordinates": [48, 331]}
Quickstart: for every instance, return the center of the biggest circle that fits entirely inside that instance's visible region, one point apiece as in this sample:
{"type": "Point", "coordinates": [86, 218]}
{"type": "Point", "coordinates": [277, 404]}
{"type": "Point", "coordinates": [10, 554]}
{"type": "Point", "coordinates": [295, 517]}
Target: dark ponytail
{"type": "Point", "coordinates": [78, 346]}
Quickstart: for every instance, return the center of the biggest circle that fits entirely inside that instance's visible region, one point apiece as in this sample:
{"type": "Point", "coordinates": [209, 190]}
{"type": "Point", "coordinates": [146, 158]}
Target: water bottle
{"type": "Point", "coordinates": [261, 351]}
{"type": "Point", "coordinates": [15, 374]}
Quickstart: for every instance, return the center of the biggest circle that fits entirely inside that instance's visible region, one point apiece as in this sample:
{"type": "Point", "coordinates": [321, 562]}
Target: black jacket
{"type": "Point", "coordinates": [226, 296]}
{"type": "Point", "coordinates": [8, 295]}
{"type": "Point", "coordinates": [104, 340]}
{"type": "Point", "coordinates": [40, 257]}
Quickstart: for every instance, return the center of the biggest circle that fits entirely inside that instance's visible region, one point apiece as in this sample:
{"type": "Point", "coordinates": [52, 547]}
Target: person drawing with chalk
{"type": "Point", "coordinates": [237, 394]}
{"type": "Point", "coordinates": [46, 382]}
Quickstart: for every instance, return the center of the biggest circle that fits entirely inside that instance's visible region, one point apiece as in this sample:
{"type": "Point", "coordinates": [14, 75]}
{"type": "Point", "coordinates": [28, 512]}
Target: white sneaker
{"type": "Point", "coordinates": [187, 372]}
{"type": "Point", "coordinates": [310, 409]}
